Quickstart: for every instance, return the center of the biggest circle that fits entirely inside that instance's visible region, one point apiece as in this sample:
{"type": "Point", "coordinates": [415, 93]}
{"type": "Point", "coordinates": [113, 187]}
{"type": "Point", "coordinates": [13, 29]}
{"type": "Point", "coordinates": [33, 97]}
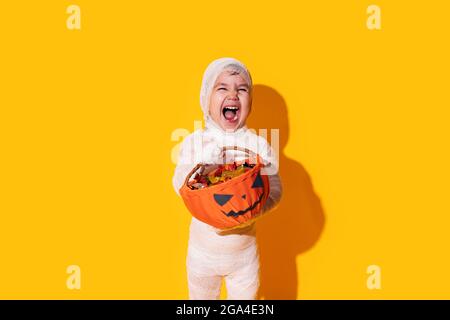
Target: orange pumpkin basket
{"type": "Point", "coordinates": [231, 204]}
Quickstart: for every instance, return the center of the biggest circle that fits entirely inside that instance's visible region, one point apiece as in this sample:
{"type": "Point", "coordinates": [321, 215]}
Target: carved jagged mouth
{"type": "Point", "coordinates": [232, 213]}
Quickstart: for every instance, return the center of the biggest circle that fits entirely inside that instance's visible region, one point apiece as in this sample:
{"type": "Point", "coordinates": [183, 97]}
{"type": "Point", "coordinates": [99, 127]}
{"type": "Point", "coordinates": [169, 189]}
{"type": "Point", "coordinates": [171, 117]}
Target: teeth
{"type": "Point", "coordinates": [232, 107]}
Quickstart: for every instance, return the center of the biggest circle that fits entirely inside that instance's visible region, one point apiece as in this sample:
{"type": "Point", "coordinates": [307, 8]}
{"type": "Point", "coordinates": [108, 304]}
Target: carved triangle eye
{"type": "Point", "coordinates": [258, 183]}
{"type": "Point", "coordinates": [221, 199]}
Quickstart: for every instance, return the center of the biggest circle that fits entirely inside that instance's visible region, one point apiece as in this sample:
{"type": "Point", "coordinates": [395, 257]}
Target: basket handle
{"type": "Point", "coordinates": [191, 173]}
{"type": "Point", "coordinates": [247, 151]}
{"type": "Point", "coordinates": [225, 148]}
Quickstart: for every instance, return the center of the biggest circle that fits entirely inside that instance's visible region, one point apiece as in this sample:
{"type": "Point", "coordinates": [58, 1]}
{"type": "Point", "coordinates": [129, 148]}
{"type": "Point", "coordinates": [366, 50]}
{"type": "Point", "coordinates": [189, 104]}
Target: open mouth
{"type": "Point", "coordinates": [231, 113]}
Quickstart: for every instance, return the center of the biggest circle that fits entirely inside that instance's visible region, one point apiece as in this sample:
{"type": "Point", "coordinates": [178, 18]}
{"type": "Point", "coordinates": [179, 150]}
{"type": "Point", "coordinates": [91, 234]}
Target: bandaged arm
{"type": "Point", "coordinates": [276, 188]}
{"type": "Point", "coordinates": [184, 165]}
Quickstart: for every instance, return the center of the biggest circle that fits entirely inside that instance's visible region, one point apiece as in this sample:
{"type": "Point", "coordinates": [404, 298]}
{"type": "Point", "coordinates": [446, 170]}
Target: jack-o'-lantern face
{"type": "Point", "coordinates": [237, 202]}
{"type": "Point", "coordinates": [240, 204]}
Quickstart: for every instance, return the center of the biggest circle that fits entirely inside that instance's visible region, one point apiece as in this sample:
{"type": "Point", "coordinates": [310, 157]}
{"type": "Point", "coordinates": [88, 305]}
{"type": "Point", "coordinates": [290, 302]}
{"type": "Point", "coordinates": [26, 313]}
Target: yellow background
{"type": "Point", "coordinates": [86, 118]}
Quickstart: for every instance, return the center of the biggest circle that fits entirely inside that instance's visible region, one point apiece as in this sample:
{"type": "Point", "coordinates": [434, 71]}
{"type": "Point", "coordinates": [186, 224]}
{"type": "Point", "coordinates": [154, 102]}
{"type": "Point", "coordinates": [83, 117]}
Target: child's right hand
{"type": "Point", "coordinates": [210, 151]}
{"type": "Point", "coordinates": [193, 153]}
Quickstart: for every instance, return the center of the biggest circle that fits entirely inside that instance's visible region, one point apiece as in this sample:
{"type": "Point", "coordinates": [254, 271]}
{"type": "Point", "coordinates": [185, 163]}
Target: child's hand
{"type": "Point", "coordinates": [210, 152]}
{"type": "Point", "coordinates": [199, 151]}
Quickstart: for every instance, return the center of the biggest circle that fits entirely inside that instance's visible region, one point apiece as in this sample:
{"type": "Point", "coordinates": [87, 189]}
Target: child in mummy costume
{"type": "Point", "coordinates": [226, 99]}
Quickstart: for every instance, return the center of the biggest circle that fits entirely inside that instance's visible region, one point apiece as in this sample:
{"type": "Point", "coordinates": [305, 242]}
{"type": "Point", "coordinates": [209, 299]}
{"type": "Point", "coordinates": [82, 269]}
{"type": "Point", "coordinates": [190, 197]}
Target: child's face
{"type": "Point", "coordinates": [230, 101]}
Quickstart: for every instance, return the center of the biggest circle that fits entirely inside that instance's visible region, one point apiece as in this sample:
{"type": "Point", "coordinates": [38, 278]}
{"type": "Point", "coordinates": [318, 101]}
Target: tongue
{"type": "Point", "coordinates": [229, 115]}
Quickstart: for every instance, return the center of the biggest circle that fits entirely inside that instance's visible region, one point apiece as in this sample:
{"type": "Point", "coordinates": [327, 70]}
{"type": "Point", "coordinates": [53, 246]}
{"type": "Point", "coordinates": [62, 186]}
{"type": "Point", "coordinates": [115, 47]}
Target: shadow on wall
{"type": "Point", "coordinates": [297, 223]}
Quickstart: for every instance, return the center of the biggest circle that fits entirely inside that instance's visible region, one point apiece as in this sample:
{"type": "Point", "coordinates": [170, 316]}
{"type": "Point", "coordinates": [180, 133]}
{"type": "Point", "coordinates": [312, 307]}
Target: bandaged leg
{"type": "Point", "coordinates": [243, 283]}
{"type": "Point", "coordinates": [203, 281]}
{"type": "Point", "coordinates": [203, 287]}
{"type": "Point", "coordinates": [211, 257]}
